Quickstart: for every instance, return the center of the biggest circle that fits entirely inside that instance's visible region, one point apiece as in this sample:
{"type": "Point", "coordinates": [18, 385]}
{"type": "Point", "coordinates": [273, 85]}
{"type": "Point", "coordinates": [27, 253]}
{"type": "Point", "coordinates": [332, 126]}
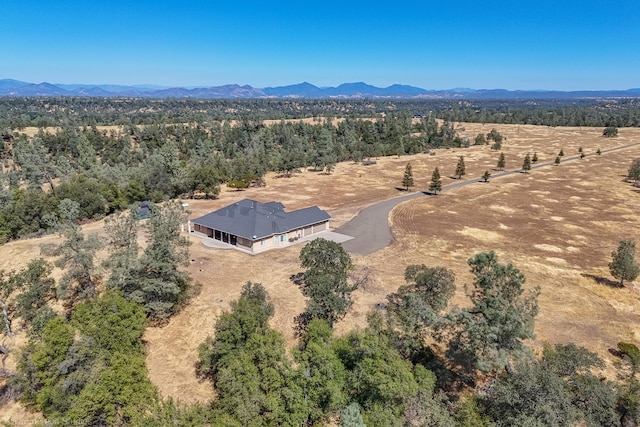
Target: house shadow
{"type": "Point", "coordinates": [602, 280]}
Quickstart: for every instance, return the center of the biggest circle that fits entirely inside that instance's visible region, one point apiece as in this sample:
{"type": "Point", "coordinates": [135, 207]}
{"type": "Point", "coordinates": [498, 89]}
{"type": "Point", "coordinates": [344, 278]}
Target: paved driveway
{"type": "Point", "coordinates": [370, 228]}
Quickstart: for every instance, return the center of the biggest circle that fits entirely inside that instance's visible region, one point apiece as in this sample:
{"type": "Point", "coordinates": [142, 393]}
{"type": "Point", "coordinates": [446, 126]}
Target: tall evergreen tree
{"type": "Point", "coordinates": [460, 168]}
{"type": "Point", "coordinates": [526, 164]}
{"type": "Point", "coordinates": [490, 334]}
{"type": "Point", "coordinates": [407, 179]}
{"type": "Point", "coordinates": [247, 361]}
{"type": "Point", "coordinates": [436, 183]}
{"type": "Point", "coordinates": [121, 231]}
{"type": "Point", "coordinates": [76, 256]}
{"type": "Point", "coordinates": [501, 161]}
{"type": "Point", "coordinates": [25, 293]}
{"type": "Point", "coordinates": [158, 283]}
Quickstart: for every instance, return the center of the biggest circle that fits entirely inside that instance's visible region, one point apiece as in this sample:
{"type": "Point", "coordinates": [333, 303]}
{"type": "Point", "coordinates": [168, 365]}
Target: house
{"type": "Point", "coordinates": [255, 226]}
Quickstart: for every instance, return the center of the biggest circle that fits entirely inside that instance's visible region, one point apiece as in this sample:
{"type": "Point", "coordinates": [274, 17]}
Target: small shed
{"type": "Point", "coordinates": [144, 210]}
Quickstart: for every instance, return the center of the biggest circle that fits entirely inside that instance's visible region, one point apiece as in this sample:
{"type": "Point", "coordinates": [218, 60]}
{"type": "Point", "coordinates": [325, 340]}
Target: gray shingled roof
{"type": "Point", "coordinates": [255, 220]}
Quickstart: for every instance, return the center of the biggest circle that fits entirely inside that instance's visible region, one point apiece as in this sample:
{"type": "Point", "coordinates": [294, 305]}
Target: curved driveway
{"type": "Point", "coordinates": [370, 228]}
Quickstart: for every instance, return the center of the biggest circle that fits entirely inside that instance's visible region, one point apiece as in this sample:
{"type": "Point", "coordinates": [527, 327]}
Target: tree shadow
{"type": "Point", "coordinates": [616, 352]}
{"type": "Point", "coordinates": [446, 378]}
{"type": "Point", "coordinates": [402, 189]}
{"type": "Point", "coordinates": [602, 280]}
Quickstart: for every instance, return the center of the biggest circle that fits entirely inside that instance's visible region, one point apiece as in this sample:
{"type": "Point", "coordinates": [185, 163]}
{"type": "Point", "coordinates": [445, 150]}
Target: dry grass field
{"type": "Point", "coordinates": [557, 224]}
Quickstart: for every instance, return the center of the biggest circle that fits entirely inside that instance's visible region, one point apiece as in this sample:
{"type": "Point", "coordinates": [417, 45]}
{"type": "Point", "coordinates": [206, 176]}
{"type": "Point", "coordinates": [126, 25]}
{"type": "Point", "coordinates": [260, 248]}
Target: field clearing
{"type": "Point", "coordinates": [558, 225]}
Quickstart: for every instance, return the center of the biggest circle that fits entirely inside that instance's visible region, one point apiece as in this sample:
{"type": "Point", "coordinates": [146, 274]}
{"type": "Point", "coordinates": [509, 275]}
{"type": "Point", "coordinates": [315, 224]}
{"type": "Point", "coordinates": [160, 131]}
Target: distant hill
{"type": "Point", "coordinates": [16, 88]}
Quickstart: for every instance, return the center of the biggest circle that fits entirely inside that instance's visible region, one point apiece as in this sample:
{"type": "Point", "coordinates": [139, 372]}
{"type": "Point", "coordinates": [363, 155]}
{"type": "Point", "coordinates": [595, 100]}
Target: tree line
{"type": "Point", "coordinates": [18, 113]}
{"type": "Point", "coordinates": [104, 172]}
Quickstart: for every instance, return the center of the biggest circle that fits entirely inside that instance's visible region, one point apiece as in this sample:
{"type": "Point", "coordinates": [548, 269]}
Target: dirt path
{"type": "Point", "coordinates": [370, 228]}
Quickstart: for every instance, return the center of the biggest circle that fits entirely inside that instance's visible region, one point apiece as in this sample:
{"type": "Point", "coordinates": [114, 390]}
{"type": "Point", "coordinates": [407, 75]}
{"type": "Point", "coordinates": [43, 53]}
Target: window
{"type": "Point", "coordinates": [262, 242]}
{"type": "Point", "coordinates": [283, 237]}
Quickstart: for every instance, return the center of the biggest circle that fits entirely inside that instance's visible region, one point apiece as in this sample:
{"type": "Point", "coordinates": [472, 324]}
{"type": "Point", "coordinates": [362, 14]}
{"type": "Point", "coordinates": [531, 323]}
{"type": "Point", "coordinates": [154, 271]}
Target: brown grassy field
{"type": "Point", "coordinates": [558, 225]}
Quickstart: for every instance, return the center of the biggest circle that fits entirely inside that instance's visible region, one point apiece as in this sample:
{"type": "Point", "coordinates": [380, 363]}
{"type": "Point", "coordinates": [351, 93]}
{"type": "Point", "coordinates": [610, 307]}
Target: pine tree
{"type": "Point", "coordinates": [407, 179]}
{"type": "Point", "coordinates": [526, 165]}
{"type": "Point", "coordinates": [561, 153]}
{"type": "Point", "coordinates": [557, 160]}
{"type": "Point", "coordinates": [598, 152]}
{"type": "Point", "coordinates": [157, 282]}
{"type": "Point", "coordinates": [436, 182]}
{"type": "Point", "coordinates": [485, 176]}
{"type": "Point", "coordinates": [491, 332]}
{"type": "Point", "coordinates": [534, 159]}
{"type": "Point", "coordinates": [460, 169]}
{"type": "Point", "coordinates": [121, 233]}
{"type": "Point", "coordinates": [501, 162]}
{"type": "Point", "coordinates": [76, 255]}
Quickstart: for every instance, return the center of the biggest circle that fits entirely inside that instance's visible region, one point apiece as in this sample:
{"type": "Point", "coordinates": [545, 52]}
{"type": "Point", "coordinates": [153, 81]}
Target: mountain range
{"type": "Point", "coordinates": [15, 88]}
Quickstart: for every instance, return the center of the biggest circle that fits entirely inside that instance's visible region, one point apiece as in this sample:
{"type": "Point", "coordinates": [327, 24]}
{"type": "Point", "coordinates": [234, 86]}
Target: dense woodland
{"type": "Point", "coordinates": [161, 149]}
{"type": "Point", "coordinates": [421, 361]}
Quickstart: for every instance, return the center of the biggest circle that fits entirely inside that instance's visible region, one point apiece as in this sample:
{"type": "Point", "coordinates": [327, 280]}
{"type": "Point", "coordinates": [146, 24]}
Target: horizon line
{"type": "Point", "coordinates": [456, 88]}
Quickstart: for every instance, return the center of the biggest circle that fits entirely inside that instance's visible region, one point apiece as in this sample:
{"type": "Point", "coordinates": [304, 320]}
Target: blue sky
{"type": "Point", "coordinates": [543, 44]}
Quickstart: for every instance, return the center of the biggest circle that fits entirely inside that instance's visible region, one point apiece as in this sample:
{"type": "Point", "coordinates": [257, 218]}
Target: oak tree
{"type": "Point", "coordinates": [325, 282]}
{"type": "Point", "coordinates": [623, 265]}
